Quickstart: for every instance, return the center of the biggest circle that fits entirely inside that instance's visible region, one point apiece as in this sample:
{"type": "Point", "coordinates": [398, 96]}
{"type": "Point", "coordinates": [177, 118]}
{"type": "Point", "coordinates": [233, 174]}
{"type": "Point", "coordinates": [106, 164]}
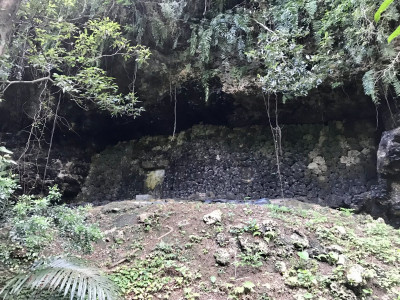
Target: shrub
{"type": "Point", "coordinates": [8, 183]}
{"type": "Point", "coordinates": [35, 222]}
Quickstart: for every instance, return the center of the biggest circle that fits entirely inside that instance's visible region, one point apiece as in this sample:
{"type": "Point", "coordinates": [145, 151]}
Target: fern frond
{"type": "Point", "coordinates": [159, 31]}
{"type": "Point", "coordinates": [369, 85]}
{"type": "Point", "coordinates": [396, 85]}
{"type": "Point", "coordinates": [391, 80]}
{"type": "Point", "coordinates": [242, 22]}
{"type": "Point", "coordinates": [69, 275]}
{"type": "Point", "coordinates": [193, 41]}
{"type": "Point", "coordinates": [311, 7]}
{"type": "Point", "coordinates": [205, 44]}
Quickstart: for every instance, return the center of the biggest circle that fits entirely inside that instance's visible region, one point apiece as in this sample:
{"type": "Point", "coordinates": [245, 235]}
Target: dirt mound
{"type": "Point", "coordinates": [222, 251]}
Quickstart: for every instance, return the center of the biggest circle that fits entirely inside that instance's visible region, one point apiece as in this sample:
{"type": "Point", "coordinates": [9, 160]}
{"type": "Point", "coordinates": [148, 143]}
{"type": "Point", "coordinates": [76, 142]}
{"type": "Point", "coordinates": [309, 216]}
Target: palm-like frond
{"type": "Point", "coordinates": [69, 276]}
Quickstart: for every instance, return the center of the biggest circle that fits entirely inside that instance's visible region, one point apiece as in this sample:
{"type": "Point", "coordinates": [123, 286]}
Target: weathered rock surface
{"type": "Point", "coordinates": [67, 166]}
{"type": "Point", "coordinates": [143, 218]}
{"type": "Point", "coordinates": [299, 242]}
{"type": "Point", "coordinates": [120, 206]}
{"type": "Point", "coordinates": [252, 244]}
{"type": "Point", "coordinates": [222, 257]}
{"type": "Point", "coordinates": [389, 154]}
{"type": "Point", "coordinates": [280, 266]}
{"type": "Point", "coordinates": [388, 165]}
{"type": "Point", "coordinates": [213, 217]}
{"type": "Point", "coordinates": [222, 239]}
{"type": "Point", "coordinates": [332, 165]}
{"type": "Point", "coordinates": [355, 274]}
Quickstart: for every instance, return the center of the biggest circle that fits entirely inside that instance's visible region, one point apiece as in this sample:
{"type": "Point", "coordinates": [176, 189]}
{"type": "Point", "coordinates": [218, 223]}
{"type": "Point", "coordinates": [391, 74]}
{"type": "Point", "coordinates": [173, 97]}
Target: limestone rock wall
{"type": "Point", "coordinates": [388, 165]}
{"type": "Point", "coordinates": [332, 164]}
{"type": "Point", "coordinates": [67, 166]}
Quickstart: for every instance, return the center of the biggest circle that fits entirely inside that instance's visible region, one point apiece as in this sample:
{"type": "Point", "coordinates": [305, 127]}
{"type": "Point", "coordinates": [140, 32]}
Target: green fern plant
{"type": "Point", "coordinates": [394, 82]}
{"type": "Point", "coordinates": [35, 223]}
{"type": "Point", "coordinates": [8, 183]}
{"type": "Point", "coordinates": [311, 7]}
{"type": "Point", "coordinates": [369, 85]}
{"type": "Point", "coordinates": [67, 276]}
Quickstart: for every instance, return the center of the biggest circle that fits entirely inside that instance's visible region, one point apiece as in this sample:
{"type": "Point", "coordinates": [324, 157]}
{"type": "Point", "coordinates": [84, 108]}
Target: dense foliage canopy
{"type": "Point", "coordinates": [286, 48]}
{"type": "Point", "coordinates": [57, 45]}
{"type": "Point", "coordinates": [296, 46]}
{"type": "Point", "coordinates": [291, 46]}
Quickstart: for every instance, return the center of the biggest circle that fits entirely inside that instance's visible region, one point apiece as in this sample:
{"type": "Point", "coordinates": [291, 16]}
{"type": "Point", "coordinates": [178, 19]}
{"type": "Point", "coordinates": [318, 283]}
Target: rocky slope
{"type": "Point", "coordinates": [170, 250]}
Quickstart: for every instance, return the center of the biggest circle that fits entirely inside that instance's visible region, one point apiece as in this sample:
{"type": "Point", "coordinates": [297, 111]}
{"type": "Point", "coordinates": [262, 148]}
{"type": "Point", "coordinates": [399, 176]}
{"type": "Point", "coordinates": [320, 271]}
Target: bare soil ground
{"type": "Point", "coordinates": [166, 250]}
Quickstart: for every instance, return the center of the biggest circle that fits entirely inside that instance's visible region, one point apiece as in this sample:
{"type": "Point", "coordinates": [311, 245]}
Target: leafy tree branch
{"type": "Point", "coordinates": [69, 56]}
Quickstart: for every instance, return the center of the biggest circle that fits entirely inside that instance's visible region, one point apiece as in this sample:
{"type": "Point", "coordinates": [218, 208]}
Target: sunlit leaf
{"type": "Point", "coordinates": [395, 34]}
{"type": "Point", "coordinates": [5, 150]}
{"type": "Point", "coordinates": [381, 9]}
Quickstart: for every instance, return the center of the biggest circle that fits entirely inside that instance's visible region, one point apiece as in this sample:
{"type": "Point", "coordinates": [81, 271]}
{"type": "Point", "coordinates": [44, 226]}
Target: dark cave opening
{"type": "Point", "coordinates": [95, 130]}
{"type": "Point", "coordinates": [85, 133]}
{"type": "Point", "coordinates": [98, 129]}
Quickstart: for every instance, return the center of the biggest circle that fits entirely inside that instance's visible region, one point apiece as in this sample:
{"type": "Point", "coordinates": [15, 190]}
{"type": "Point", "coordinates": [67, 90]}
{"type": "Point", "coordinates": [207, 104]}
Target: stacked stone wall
{"type": "Point", "coordinates": [332, 164]}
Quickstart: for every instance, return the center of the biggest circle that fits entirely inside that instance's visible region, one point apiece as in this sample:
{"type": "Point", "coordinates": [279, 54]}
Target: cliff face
{"type": "Point", "coordinates": [329, 138]}
{"type": "Point", "coordinates": [331, 165]}
{"type": "Point", "coordinates": [8, 10]}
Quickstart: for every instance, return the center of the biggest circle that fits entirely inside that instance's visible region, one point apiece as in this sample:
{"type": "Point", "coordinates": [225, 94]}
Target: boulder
{"type": "Point", "coordinates": [119, 237]}
{"type": "Point", "coordinates": [222, 239]}
{"type": "Point", "coordinates": [280, 267]}
{"type": "Point", "coordinates": [335, 248]}
{"type": "Point", "coordinates": [355, 274]}
{"type": "Point", "coordinates": [213, 217]}
{"type": "Point", "coordinates": [253, 244]}
{"type": "Point", "coordinates": [154, 179]}
{"type": "Point", "coordinates": [299, 242]}
{"type": "Point", "coordinates": [144, 217]}
{"type": "Point", "coordinates": [388, 156]}
{"type": "Point", "coordinates": [342, 259]}
{"type": "Point", "coordinates": [222, 257]}
{"type": "Point", "coordinates": [145, 197]}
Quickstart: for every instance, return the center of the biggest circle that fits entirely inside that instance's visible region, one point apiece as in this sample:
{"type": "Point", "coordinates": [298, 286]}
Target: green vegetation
{"type": "Point", "coordinates": [8, 183]}
{"type": "Point", "coordinates": [65, 50]}
{"type": "Point", "coordinates": [341, 256]}
{"type": "Point", "coordinates": [71, 277]}
{"type": "Point", "coordinates": [241, 291]}
{"type": "Point", "coordinates": [66, 56]}
{"type": "Point", "coordinates": [160, 273]}
{"type": "Point", "coordinates": [346, 257]}
{"type": "Point", "coordinates": [384, 6]}
{"type": "Point", "coordinates": [35, 222]}
{"type": "Point", "coordinates": [288, 47]}
{"type": "Point", "coordinates": [295, 46]}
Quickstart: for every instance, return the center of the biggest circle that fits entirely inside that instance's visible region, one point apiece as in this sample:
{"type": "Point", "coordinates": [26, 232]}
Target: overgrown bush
{"type": "Point", "coordinates": [35, 223]}
{"type": "Point", "coordinates": [293, 46]}
{"type": "Point", "coordinates": [8, 184]}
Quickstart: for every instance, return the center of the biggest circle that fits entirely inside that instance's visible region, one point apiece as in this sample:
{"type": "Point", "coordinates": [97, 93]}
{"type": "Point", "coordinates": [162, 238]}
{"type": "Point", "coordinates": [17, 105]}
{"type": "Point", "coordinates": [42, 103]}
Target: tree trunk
{"type": "Point", "coordinates": [8, 10]}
